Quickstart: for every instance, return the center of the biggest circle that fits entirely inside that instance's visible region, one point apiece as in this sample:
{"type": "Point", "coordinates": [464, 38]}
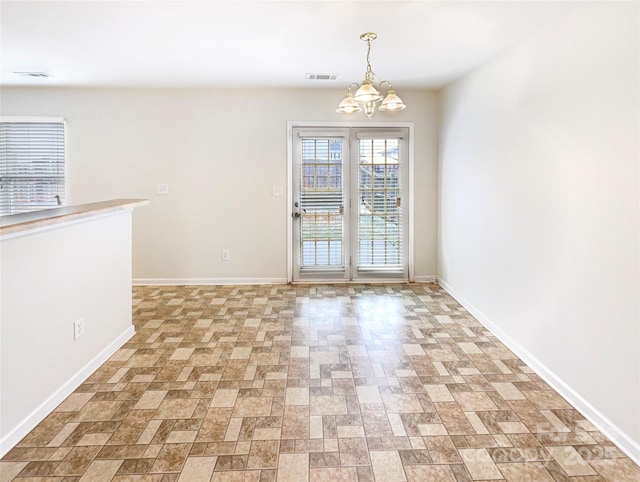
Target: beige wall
{"type": "Point", "coordinates": [220, 151]}
{"type": "Point", "coordinates": [539, 207]}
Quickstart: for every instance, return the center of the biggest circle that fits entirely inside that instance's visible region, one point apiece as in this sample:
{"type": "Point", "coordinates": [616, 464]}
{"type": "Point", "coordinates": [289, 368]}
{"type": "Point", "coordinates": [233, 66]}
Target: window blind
{"type": "Point", "coordinates": [380, 219]}
{"type": "Point", "coordinates": [321, 204]}
{"type": "Point", "coordinates": [32, 166]}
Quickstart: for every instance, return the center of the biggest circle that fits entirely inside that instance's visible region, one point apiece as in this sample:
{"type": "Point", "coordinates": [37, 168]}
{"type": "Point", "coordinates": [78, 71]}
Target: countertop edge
{"type": "Point", "coordinates": [17, 223]}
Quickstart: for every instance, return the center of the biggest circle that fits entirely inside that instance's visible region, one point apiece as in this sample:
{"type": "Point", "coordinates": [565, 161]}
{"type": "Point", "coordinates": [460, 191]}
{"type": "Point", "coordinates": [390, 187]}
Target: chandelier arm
{"type": "Point", "coordinates": [384, 82]}
{"type": "Point", "coordinates": [351, 85]}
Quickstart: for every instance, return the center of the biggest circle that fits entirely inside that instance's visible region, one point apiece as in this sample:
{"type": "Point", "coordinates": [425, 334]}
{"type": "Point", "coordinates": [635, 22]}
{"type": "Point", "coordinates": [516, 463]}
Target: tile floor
{"type": "Point", "coordinates": [319, 383]}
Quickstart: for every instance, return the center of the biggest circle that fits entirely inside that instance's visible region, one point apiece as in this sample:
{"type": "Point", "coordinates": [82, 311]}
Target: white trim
{"type": "Point", "coordinates": [321, 133]}
{"type": "Point", "coordinates": [67, 201]}
{"type": "Point", "coordinates": [289, 206]}
{"type": "Point", "coordinates": [623, 441]}
{"type": "Point", "coordinates": [377, 133]}
{"type": "Point", "coordinates": [358, 281]}
{"type": "Point", "coordinates": [426, 279]}
{"type": "Point", "coordinates": [257, 281]}
{"type": "Point", "coordinates": [10, 118]}
{"type": "Point", "coordinates": [410, 242]}
{"type": "Point", "coordinates": [38, 415]}
{"type": "Point", "coordinates": [207, 281]}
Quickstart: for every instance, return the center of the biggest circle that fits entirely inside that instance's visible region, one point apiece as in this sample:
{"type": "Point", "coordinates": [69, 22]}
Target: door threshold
{"type": "Point", "coordinates": [368, 281]}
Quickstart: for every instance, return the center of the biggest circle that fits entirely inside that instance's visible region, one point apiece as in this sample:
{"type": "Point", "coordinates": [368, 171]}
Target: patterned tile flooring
{"type": "Point", "coordinates": [319, 383]}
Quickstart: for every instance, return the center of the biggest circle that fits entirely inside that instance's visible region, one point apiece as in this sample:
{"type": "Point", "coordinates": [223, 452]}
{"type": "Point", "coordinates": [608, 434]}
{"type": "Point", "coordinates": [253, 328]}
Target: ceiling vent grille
{"type": "Point", "coordinates": [322, 76]}
{"type": "Point", "coordinates": [33, 74]}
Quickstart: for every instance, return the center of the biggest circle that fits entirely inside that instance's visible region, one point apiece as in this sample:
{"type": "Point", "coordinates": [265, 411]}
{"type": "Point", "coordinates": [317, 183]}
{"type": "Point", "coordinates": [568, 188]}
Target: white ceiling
{"type": "Point", "coordinates": [423, 44]}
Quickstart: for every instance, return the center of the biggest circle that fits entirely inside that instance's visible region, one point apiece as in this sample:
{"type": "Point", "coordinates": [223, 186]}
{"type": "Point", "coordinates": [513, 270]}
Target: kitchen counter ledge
{"type": "Point", "coordinates": [17, 223]}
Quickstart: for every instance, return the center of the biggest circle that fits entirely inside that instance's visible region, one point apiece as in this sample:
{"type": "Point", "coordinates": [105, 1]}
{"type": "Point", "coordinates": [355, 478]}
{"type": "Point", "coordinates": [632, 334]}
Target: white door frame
{"type": "Point", "coordinates": [289, 203]}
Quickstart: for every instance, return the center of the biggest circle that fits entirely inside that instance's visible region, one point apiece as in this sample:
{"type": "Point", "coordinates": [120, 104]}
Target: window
{"type": "Point", "coordinates": [32, 164]}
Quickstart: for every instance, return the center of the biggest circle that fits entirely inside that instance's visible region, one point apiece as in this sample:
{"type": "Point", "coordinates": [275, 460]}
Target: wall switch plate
{"type": "Point", "coordinates": [277, 190]}
{"type": "Point", "coordinates": [225, 255]}
{"type": "Point", "coordinates": [162, 189]}
{"type": "Point", "coordinates": [78, 328]}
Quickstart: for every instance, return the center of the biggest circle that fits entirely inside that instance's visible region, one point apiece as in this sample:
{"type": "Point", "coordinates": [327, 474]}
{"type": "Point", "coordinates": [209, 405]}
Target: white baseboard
{"type": "Point", "coordinates": [207, 281]}
{"type": "Point", "coordinates": [8, 441]}
{"type": "Point", "coordinates": [426, 279]}
{"type": "Point", "coordinates": [622, 440]}
{"type": "Point", "coordinates": [264, 281]}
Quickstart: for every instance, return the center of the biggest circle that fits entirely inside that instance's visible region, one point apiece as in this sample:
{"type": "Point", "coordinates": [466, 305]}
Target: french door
{"type": "Point", "coordinates": [350, 203]}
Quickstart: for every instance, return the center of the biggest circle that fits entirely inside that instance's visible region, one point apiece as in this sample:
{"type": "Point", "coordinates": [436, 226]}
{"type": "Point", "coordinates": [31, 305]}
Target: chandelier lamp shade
{"type": "Point", "coordinates": [367, 95]}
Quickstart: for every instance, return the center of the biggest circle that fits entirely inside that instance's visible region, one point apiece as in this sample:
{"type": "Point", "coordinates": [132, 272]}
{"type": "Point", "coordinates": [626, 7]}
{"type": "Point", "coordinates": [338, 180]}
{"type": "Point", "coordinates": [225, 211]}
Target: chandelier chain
{"type": "Point", "coordinates": [370, 73]}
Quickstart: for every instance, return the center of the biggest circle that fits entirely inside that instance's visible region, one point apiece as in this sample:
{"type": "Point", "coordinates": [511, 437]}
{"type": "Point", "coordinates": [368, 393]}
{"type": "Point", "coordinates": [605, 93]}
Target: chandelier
{"type": "Point", "coordinates": [367, 95]}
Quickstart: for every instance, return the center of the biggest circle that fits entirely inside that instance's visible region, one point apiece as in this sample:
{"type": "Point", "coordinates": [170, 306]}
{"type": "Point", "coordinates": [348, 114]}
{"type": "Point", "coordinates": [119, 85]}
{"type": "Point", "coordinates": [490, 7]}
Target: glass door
{"type": "Point", "coordinates": [379, 185]}
{"type": "Point", "coordinates": [320, 218]}
{"type": "Point", "coordinates": [350, 204]}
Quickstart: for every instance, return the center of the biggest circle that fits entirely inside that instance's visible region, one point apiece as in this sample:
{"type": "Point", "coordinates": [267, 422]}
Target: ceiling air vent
{"type": "Point", "coordinates": [33, 74]}
{"type": "Point", "coordinates": [322, 76]}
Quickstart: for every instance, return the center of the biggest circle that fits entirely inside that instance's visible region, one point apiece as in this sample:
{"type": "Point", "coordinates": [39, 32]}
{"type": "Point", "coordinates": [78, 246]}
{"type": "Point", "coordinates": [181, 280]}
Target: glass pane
{"type": "Point", "coordinates": [379, 216]}
{"type": "Point", "coordinates": [321, 199]}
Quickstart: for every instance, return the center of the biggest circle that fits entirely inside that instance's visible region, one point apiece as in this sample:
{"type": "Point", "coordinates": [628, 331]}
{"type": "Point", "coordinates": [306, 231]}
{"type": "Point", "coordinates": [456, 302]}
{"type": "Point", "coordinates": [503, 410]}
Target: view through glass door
{"type": "Point", "coordinates": [350, 204]}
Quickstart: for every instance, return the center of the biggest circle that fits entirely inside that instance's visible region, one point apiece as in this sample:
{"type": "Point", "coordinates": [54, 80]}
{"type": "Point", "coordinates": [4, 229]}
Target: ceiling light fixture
{"type": "Point", "coordinates": [367, 94]}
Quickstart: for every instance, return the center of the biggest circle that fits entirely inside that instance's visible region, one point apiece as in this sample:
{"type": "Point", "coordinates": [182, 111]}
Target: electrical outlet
{"type": "Point", "coordinates": [225, 255]}
{"type": "Point", "coordinates": [78, 328]}
{"type": "Point", "coordinates": [162, 189]}
{"type": "Point", "coordinates": [277, 190]}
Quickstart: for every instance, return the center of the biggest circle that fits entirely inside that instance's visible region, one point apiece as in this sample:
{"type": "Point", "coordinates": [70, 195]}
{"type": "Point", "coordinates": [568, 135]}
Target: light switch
{"type": "Point", "coordinates": [162, 189]}
{"type": "Point", "coordinates": [277, 190]}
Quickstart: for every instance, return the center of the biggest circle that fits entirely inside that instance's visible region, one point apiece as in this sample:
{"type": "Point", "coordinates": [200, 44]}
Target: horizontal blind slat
{"type": "Point", "coordinates": [32, 166]}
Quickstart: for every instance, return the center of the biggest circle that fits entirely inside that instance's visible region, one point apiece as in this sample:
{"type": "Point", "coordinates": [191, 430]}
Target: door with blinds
{"type": "Point", "coordinates": [350, 204]}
